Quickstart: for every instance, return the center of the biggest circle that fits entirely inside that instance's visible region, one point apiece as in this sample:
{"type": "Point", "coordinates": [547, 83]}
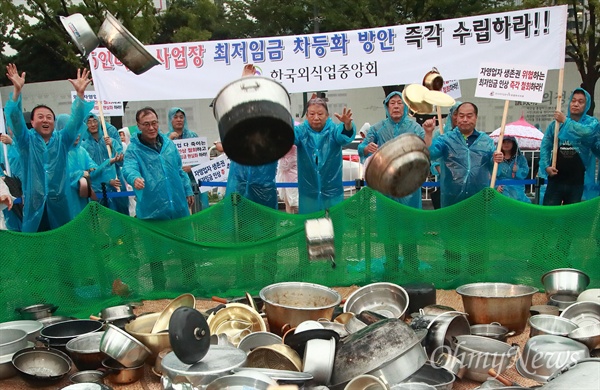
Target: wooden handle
{"type": "Point", "coordinates": [93, 317]}
{"type": "Point", "coordinates": [561, 75]}
{"type": "Point", "coordinates": [500, 138]}
{"type": "Point", "coordinates": [505, 381]}
{"type": "Point", "coordinates": [439, 116]}
{"type": "Point", "coordinates": [219, 299]}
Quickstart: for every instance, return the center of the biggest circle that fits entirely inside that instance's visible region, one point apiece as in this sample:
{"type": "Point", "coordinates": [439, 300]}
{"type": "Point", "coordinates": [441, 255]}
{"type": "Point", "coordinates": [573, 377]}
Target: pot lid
{"type": "Point", "coordinates": [162, 323]}
{"type": "Point", "coordinates": [218, 359]}
{"type": "Point", "coordinates": [372, 348]}
{"type": "Point", "coordinates": [438, 98]}
{"type": "Point", "coordinates": [189, 334]}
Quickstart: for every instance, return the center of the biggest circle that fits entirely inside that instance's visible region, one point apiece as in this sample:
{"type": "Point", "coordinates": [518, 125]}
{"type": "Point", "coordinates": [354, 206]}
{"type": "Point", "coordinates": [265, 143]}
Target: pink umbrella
{"type": "Point", "coordinates": [527, 135]}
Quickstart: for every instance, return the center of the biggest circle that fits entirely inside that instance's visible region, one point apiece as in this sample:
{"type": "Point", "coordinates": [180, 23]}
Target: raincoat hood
{"type": "Point", "coordinates": [588, 103]}
{"type": "Point", "coordinates": [125, 131]}
{"type": "Point", "coordinates": [387, 100]}
{"type": "Point", "coordinates": [448, 125]}
{"type": "Point", "coordinates": [61, 121]}
{"type": "Point", "coordinates": [186, 133]}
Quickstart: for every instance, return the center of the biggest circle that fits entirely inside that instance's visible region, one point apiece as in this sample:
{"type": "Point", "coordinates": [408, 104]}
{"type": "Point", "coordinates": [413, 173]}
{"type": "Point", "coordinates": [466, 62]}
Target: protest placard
{"type": "Point", "coordinates": [193, 151]}
{"type": "Point", "coordinates": [216, 169]}
{"type": "Point", "coordinates": [452, 88]}
{"type": "Point", "coordinates": [524, 83]}
{"type": "Point", "coordinates": [110, 108]}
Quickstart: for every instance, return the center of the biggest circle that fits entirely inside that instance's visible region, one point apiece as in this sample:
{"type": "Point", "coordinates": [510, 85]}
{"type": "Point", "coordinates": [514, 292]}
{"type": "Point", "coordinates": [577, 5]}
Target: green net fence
{"type": "Point", "coordinates": [103, 258]}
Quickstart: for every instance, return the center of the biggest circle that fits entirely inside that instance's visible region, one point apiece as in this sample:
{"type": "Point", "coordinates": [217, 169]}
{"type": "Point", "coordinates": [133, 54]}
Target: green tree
{"type": "Point", "coordinates": [187, 21]}
{"type": "Point", "coordinates": [44, 49]}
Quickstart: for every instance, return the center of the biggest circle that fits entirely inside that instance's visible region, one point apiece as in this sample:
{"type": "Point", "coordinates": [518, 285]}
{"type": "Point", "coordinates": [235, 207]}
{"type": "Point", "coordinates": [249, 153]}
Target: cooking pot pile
{"type": "Point", "coordinates": [384, 336]}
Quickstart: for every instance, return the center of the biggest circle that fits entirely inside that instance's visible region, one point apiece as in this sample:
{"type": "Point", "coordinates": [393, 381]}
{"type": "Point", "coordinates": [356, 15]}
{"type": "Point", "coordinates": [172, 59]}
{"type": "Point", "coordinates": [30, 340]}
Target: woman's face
{"type": "Point", "coordinates": [316, 116]}
{"type": "Point", "coordinates": [122, 136]}
{"type": "Point", "coordinates": [507, 145]}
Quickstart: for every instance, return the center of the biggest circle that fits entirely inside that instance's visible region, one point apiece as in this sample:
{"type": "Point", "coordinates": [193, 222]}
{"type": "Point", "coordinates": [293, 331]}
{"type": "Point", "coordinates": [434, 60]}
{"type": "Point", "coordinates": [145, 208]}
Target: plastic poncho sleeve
{"type": "Point", "coordinates": [437, 148]}
{"type": "Point", "coordinates": [370, 137]}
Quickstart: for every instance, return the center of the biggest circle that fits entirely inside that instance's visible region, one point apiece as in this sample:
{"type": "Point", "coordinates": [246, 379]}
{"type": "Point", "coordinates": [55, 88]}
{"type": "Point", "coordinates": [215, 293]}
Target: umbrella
{"type": "Point", "coordinates": [527, 135]}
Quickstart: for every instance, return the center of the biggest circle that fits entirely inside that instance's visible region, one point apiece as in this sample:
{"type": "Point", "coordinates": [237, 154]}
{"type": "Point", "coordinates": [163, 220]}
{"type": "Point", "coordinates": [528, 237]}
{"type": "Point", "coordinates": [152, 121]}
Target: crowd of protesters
{"type": "Point", "coordinates": [66, 161]}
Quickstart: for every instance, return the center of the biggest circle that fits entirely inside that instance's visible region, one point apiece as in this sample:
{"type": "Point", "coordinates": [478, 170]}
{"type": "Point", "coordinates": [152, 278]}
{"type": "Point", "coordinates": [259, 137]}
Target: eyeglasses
{"type": "Point", "coordinates": [148, 124]}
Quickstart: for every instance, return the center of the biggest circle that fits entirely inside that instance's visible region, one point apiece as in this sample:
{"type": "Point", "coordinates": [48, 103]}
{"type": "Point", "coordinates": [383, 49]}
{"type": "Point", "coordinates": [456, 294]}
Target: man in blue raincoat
{"type": "Point", "coordinates": [319, 142]}
{"type": "Point", "coordinates": [96, 146]}
{"type": "Point", "coordinates": [396, 123]}
{"type": "Point", "coordinates": [178, 129]}
{"type": "Point", "coordinates": [573, 176]}
{"type": "Point", "coordinates": [467, 159]}
{"type": "Point", "coordinates": [44, 153]}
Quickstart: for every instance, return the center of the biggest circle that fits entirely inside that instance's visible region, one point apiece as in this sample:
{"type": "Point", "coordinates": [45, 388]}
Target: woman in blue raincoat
{"type": "Point", "coordinates": [395, 124]}
{"type": "Point", "coordinates": [513, 167]}
{"type": "Point", "coordinates": [178, 129]}
{"type": "Point", "coordinates": [319, 142]}
{"type": "Point", "coordinates": [578, 131]}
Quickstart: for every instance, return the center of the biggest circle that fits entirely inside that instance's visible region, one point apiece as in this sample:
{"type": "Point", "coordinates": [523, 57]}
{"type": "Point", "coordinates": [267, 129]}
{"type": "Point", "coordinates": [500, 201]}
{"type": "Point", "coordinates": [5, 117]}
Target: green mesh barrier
{"type": "Point", "coordinates": [103, 258]}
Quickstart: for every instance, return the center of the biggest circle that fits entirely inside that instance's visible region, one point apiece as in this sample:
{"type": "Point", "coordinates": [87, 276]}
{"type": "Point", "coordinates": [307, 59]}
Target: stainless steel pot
{"type": "Point", "coordinates": [567, 281]}
{"type": "Point", "coordinates": [85, 351]}
{"type": "Point", "coordinates": [399, 167]}
{"type": "Point", "coordinates": [288, 304]}
{"type": "Point", "coordinates": [35, 312]}
{"type": "Point", "coordinates": [119, 41]}
{"type": "Point", "coordinates": [31, 327]}
{"type": "Point", "coordinates": [123, 347]}
{"type": "Point", "coordinates": [505, 303]}
{"type": "Point", "coordinates": [59, 334]}
{"type": "Point", "coordinates": [120, 374]}
{"type": "Point", "coordinates": [494, 331]}
{"type": "Point", "coordinates": [12, 340]}
{"type": "Point", "coordinates": [442, 330]}
{"type": "Point", "coordinates": [255, 120]}
{"type": "Point", "coordinates": [549, 324]}
{"type": "Point", "coordinates": [386, 299]}
{"type": "Point", "coordinates": [388, 349]}
{"type": "Point", "coordinates": [81, 33]}
{"type": "Point", "coordinates": [429, 374]}
{"type": "Point", "coordinates": [583, 375]}
{"type": "Point", "coordinates": [320, 239]}
{"type": "Point", "coordinates": [479, 354]}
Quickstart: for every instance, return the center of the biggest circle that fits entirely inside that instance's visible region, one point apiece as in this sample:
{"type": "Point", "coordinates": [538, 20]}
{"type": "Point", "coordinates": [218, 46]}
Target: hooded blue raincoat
{"type": "Point", "coordinates": [582, 135]}
{"type": "Point", "coordinates": [13, 222]}
{"type": "Point", "coordinates": [516, 168]}
{"type": "Point", "coordinates": [256, 183]}
{"type": "Point", "coordinates": [45, 178]}
{"type": "Point", "coordinates": [465, 170]}
{"type": "Point", "coordinates": [387, 130]}
{"type": "Point", "coordinates": [166, 184]}
{"type": "Point", "coordinates": [320, 165]}
{"type": "Point", "coordinates": [187, 133]}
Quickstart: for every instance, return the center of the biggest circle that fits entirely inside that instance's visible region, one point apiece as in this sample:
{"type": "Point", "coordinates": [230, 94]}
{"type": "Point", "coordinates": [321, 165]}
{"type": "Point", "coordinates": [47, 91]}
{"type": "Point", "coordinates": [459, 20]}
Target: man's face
{"type": "Point", "coordinates": [317, 116]}
{"type": "Point", "coordinates": [148, 125]}
{"type": "Point", "coordinates": [178, 121]}
{"type": "Point", "coordinates": [395, 108]}
{"type": "Point", "coordinates": [42, 121]}
{"type": "Point", "coordinates": [578, 104]}
{"type": "Point", "coordinates": [466, 118]}
{"type": "Point", "coordinates": [92, 124]}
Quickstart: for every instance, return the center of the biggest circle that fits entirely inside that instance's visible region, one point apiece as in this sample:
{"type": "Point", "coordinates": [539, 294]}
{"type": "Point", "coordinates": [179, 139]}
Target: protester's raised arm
{"type": "Point", "coordinates": [17, 80]}
{"type": "Point", "coordinates": [81, 82]}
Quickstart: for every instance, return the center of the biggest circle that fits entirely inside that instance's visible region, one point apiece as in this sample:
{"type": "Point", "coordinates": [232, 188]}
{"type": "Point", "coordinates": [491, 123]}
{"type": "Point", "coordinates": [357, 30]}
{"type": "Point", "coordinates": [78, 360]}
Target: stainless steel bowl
{"type": "Point", "coordinates": [31, 327]}
{"type": "Point", "coordinates": [479, 354]}
{"type": "Point", "coordinates": [567, 281]}
{"type": "Point", "coordinates": [85, 351]}
{"type": "Point", "coordinates": [12, 340]}
{"type": "Point", "coordinates": [562, 301]}
{"type": "Point", "coordinates": [387, 299]}
{"type": "Point", "coordinates": [80, 32]}
{"type": "Point", "coordinates": [141, 328]}
{"type": "Point", "coordinates": [123, 347]}
{"type": "Point", "coordinates": [588, 335]}
{"type": "Point", "coordinates": [583, 313]}
{"type": "Point", "coordinates": [119, 41]}
{"type": "Point", "coordinates": [548, 324]}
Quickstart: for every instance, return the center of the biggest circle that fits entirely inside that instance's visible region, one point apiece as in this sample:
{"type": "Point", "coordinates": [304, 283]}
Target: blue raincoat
{"type": "Point", "coordinates": [387, 130]}
{"type": "Point", "coordinates": [45, 178]}
{"type": "Point", "coordinates": [256, 183]}
{"type": "Point", "coordinates": [514, 169]}
{"type": "Point", "coordinates": [13, 222]}
{"type": "Point", "coordinates": [581, 134]}
{"type": "Point", "coordinates": [99, 153]}
{"type": "Point", "coordinates": [320, 165]}
{"type": "Point", "coordinates": [465, 170]}
{"type": "Point", "coordinates": [166, 184]}
{"type": "Point", "coordinates": [187, 133]}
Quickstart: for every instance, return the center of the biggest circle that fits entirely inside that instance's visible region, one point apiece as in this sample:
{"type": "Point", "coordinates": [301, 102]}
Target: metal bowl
{"type": "Point", "coordinates": [88, 376]}
{"type": "Point", "coordinates": [119, 41]}
{"type": "Point", "coordinates": [592, 294]}
{"type": "Point", "coordinates": [562, 301]}
{"type": "Point", "coordinates": [85, 351]}
{"type": "Point", "coordinates": [245, 380]}
{"type": "Point", "coordinates": [275, 356]}
{"type": "Point", "coordinates": [387, 299]}
{"type": "Point", "coordinates": [366, 382]}
{"type": "Point", "coordinates": [440, 379]}
{"type": "Point", "coordinates": [123, 347]}
{"type": "Point", "coordinates": [494, 331]}
{"type": "Point", "coordinates": [12, 340]}
{"type": "Point", "coordinates": [162, 323]}
{"type": "Point", "coordinates": [236, 320]}
{"type": "Point", "coordinates": [568, 281]}
{"type": "Point", "coordinates": [31, 327]}
{"type": "Point", "coordinates": [7, 369]}
{"type": "Point", "coordinates": [551, 325]}
{"type": "Point", "coordinates": [140, 329]}
{"type": "Point", "coordinates": [479, 354]}
{"type": "Point", "coordinates": [42, 366]}
{"type": "Point", "coordinates": [35, 312]}
{"type": "Point", "coordinates": [258, 339]}
{"type": "Point", "coordinates": [588, 335]}
{"type": "Point", "coordinates": [505, 303]}
{"type": "Point", "coordinates": [399, 167]}
{"type": "Point", "coordinates": [544, 355]}
{"type": "Point", "coordinates": [583, 313]}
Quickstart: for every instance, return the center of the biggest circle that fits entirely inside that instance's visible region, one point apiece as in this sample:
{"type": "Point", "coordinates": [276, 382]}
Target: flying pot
{"type": "Point", "coordinates": [255, 120]}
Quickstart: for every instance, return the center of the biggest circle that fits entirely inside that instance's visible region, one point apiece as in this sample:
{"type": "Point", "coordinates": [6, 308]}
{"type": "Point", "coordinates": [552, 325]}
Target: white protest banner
{"type": "Point", "coordinates": [3, 131]}
{"type": "Point", "coordinates": [193, 151]}
{"type": "Point", "coordinates": [452, 88]}
{"type": "Point", "coordinates": [524, 83]}
{"type": "Point", "coordinates": [341, 60]}
{"type": "Point", "coordinates": [216, 169]}
{"type": "Point", "coordinates": [110, 108]}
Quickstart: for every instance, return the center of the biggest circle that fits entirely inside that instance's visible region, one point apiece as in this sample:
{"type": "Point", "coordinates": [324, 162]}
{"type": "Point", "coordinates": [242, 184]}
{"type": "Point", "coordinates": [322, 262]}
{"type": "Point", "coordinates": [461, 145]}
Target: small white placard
{"type": "Point", "coordinates": [193, 151]}
{"type": "Point", "coordinates": [109, 108]}
{"type": "Point", "coordinates": [216, 169]}
{"type": "Point", "coordinates": [452, 88]}
{"type": "Point", "coordinates": [522, 83]}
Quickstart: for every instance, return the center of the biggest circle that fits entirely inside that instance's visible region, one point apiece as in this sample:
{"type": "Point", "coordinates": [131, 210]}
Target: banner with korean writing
{"type": "Point", "coordinates": [109, 108]}
{"type": "Point", "coordinates": [341, 60]}
{"type": "Point", "coordinates": [193, 151]}
{"type": "Point", "coordinates": [452, 88]}
{"type": "Point", "coordinates": [524, 83]}
{"type": "Point", "coordinates": [216, 169]}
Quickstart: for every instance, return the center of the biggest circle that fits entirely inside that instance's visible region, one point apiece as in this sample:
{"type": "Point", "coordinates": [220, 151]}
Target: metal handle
{"type": "Point", "coordinates": [245, 87]}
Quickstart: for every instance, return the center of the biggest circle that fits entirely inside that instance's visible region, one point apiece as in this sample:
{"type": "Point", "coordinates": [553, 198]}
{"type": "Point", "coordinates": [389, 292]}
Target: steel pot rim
{"type": "Point", "coordinates": [463, 290]}
{"type": "Point", "coordinates": [265, 290]}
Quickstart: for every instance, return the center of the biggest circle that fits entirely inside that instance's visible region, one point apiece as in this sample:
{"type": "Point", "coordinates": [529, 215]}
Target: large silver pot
{"type": "Point", "coordinates": [119, 41]}
{"type": "Point", "coordinates": [288, 304]}
{"type": "Point", "coordinates": [583, 375]}
{"type": "Point", "coordinates": [399, 167]}
{"type": "Point", "coordinates": [388, 349]}
{"type": "Point", "coordinates": [505, 303]}
{"type": "Point", "coordinates": [81, 33]}
{"type": "Point", "coordinates": [479, 354]}
{"type": "Point", "coordinates": [255, 120]}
